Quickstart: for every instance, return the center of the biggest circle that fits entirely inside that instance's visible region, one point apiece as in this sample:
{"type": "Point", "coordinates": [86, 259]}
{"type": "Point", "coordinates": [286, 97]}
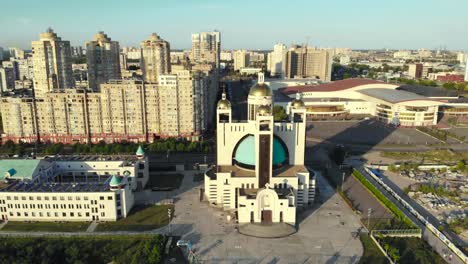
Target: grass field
{"type": "Point", "coordinates": [46, 227]}
{"type": "Point", "coordinates": [436, 156]}
{"type": "Point", "coordinates": [140, 219]}
{"type": "Point", "coordinates": [165, 181]}
{"type": "Point", "coordinates": [372, 254]}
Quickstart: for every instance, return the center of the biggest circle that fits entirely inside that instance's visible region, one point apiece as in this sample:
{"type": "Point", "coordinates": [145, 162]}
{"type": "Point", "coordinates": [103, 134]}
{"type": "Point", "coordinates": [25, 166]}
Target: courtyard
{"type": "Point", "coordinates": [325, 232]}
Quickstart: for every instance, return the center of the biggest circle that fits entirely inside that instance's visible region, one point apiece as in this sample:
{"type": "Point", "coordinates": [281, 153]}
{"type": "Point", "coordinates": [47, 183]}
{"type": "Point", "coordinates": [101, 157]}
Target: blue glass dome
{"type": "Point", "coordinates": [245, 152]}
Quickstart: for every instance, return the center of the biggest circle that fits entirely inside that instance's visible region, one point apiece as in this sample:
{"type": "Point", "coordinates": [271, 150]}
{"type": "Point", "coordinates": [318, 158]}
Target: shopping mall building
{"type": "Point", "coordinates": [399, 105]}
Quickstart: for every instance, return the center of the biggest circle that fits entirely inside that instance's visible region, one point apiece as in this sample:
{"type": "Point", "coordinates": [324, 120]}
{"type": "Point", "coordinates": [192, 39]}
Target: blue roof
{"type": "Point", "coordinates": [18, 168]}
{"type": "Point", "coordinates": [245, 152]}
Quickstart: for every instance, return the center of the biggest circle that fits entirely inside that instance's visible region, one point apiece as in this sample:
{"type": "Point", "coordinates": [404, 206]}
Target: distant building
{"type": "Point", "coordinates": [17, 53]}
{"type": "Point", "coordinates": [424, 53]}
{"type": "Point", "coordinates": [415, 71]}
{"type": "Point", "coordinates": [206, 47]}
{"type": "Point", "coordinates": [25, 68]}
{"type": "Point", "coordinates": [7, 79]}
{"type": "Point", "coordinates": [466, 70]}
{"type": "Point", "coordinates": [403, 54]}
{"type": "Point", "coordinates": [78, 51]}
{"type": "Point", "coordinates": [250, 71]}
{"type": "Point", "coordinates": [275, 60]}
{"type": "Point", "coordinates": [462, 57]}
{"type": "Point", "coordinates": [2, 55]}
{"type": "Point", "coordinates": [226, 56]}
{"type": "Point", "coordinates": [345, 60]}
{"type": "Point", "coordinates": [132, 53]}
{"type": "Point", "coordinates": [102, 57]}
{"type": "Point", "coordinates": [52, 64]}
{"type": "Point", "coordinates": [308, 62]}
{"type": "Point", "coordinates": [155, 58]}
{"type": "Point", "coordinates": [458, 78]}
{"type": "Point", "coordinates": [12, 64]}
{"type": "Point", "coordinates": [426, 71]}
{"type": "Point", "coordinates": [241, 59]}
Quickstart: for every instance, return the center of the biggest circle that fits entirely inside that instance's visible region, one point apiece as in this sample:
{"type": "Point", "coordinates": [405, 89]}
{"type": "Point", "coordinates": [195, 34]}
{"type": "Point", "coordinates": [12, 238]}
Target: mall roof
{"type": "Point", "coordinates": [393, 96]}
{"type": "Point", "coordinates": [330, 87]}
{"type": "Point", "coordinates": [429, 91]}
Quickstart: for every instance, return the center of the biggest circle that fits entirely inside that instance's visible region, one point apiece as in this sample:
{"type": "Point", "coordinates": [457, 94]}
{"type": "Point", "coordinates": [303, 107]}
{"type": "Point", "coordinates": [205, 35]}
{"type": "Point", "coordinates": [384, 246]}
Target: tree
{"type": "Point", "coordinates": [279, 113]}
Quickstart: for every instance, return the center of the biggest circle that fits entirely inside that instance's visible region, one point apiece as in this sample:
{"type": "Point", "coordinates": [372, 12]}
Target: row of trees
{"type": "Point", "coordinates": [164, 145]}
{"type": "Point", "coordinates": [128, 249]}
{"type": "Point", "coordinates": [447, 85]}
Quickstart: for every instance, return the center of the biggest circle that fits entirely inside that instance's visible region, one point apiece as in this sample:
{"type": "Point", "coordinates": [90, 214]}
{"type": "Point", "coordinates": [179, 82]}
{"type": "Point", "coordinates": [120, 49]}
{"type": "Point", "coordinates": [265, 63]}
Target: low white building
{"type": "Point", "coordinates": [368, 97]}
{"type": "Point", "coordinates": [260, 174]}
{"type": "Point", "coordinates": [70, 188]}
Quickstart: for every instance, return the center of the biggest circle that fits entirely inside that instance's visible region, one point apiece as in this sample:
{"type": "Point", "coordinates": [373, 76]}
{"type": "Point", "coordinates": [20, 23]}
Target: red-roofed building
{"type": "Point", "coordinates": [331, 87]}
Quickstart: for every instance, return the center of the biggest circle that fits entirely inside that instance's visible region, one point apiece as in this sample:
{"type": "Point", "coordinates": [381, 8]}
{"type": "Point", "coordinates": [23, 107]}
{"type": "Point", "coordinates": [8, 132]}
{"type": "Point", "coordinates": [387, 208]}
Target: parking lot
{"type": "Point", "coordinates": [368, 132]}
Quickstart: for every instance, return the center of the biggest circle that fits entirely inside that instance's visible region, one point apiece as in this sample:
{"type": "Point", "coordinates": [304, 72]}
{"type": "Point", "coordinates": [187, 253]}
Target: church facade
{"type": "Point", "coordinates": [260, 173]}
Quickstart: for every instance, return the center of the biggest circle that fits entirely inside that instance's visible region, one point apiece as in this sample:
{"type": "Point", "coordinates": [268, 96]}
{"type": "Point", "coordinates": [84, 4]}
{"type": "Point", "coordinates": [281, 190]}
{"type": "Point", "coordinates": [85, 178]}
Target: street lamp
{"type": "Point", "coordinates": [369, 212]}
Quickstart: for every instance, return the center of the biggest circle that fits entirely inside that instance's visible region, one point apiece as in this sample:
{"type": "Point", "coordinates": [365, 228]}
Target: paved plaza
{"type": "Point", "coordinates": [325, 232]}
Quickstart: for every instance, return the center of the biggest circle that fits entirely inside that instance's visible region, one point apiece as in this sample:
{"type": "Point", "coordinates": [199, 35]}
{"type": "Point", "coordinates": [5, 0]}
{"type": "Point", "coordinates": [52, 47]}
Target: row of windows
{"type": "Point", "coordinates": [48, 206]}
{"type": "Point", "coordinates": [55, 214]}
{"type": "Point", "coordinates": [54, 198]}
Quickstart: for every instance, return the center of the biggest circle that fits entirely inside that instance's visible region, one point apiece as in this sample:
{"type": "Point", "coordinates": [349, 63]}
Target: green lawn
{"type": "Point", "coordinates": [164, 181]}
{"type": "Point", "coordinates": [372, 254]}
{"type": "Point", "coordinates": [46, 227]}
{"type": "Point", "coordinates": [140, 219]}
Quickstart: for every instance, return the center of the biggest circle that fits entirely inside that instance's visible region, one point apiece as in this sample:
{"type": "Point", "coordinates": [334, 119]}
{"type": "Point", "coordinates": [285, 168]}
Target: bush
{"type": "Point", "coordinates": [387, 203]}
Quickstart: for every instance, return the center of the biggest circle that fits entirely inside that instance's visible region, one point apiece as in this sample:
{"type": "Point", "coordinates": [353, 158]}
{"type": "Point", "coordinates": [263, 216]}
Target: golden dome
{"type": "Point", "coordinates": [260, 89]}
{"type": "Point", "coordinates": [297, 103]}
{"type": "Point", "coordinates": [224, 104]}
{"type": "Point", "coordinates": [264, 110]}
{"type": "Point", "coordinates": [101, 36]}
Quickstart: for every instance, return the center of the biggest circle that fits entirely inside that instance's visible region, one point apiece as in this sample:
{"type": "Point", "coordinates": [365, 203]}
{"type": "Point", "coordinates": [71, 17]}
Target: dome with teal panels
{"type": "Point", "coordinates": [245, 152]}
{"type": "Point", "coordinates": [115, 181]}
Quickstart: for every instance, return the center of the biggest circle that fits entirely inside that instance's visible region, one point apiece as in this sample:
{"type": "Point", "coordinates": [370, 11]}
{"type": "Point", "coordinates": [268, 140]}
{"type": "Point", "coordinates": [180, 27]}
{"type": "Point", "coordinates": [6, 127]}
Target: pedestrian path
{"type": "Point", "coordinates": [92, 227]}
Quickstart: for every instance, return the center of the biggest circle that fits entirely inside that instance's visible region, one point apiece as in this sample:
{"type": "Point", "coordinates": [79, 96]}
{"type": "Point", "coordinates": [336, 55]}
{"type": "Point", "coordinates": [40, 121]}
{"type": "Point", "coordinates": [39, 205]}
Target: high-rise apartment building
{"type": "Point", "coordinates": [275, 60]}
{"type": "Point", "coordinates": [52, 63]}
{"type": "Point", "coordinates": [305, 62]}
{"type": "Point", "coordinates": [415, 70]}
{"type": "Point", "coordinates": [103, 60]}
{"type": "Point", "coordinates": [466, 70]}
{"type": "Point", "coordinates": [7, 79]}
{"type": "Point", "coordinates": [241, 59]}
{"type": "Point", "coordinates": [127, 110]}
{"type": "Point", "coordinates": [17, 53]}
{"type": "Point", "coordinates": [206, 47]}
{"type": "Point", "coordinates": [155, 58]}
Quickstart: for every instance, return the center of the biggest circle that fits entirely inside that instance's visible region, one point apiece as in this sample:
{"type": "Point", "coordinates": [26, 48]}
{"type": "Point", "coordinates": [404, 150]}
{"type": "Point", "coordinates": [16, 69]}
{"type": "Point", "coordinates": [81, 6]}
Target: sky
{"type": "Point", "coordinates": [248, 24]}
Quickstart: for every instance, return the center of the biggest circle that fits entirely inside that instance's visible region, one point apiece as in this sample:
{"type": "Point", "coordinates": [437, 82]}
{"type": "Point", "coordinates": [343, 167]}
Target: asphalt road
{"type": "Point", "coordinates": [434, 241]}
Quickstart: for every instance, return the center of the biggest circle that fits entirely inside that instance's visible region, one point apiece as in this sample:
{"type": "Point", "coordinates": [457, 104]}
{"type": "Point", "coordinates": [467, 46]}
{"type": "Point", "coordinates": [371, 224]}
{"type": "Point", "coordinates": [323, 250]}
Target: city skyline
{"type": "Point", "coordinates": [249, 25]}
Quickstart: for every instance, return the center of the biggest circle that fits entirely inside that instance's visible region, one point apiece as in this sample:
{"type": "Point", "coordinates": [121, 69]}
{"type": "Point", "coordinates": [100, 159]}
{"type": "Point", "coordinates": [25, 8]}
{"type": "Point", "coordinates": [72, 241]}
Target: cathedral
{"type": "Point", "coordinates": [260, 174]}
